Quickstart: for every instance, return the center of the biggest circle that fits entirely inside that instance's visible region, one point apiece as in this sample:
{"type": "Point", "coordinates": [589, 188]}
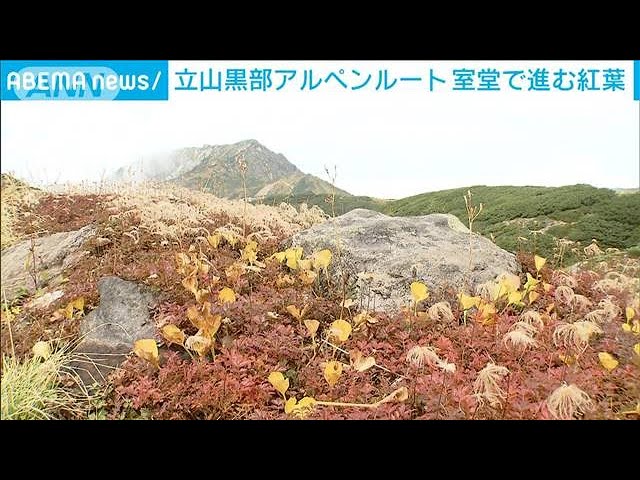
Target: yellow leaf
{"type": "Point", "coordinates": [290, 405]}
{"type": "Point", "coordinates": [306, 403]}
{"type": "Point", "coordinates": [419, 291]}
{"type": "Point", "coordinates": [203, 267]}
{"type": "Point", "coordinates": [636, 411]}
{"type": "Point", "coordinates": [182, 260]}
{"type": "Point", "coordinates": [293, 255]}
{"type": "Point", "coordinates": [226, 295]}
{"type": "Point", "coordinates": [363, 317]}
{"type": "Point", "coordinates": [533, 296]}
{"type": "Point", "coordinates": [399, 395]}
{"type": "Point", "coordinates": [514, 298]}
{"type": "Point", "coordinates": [546, 287]}
{"type": "Point", "coordinates": [539, 261]}
{"type": "Point", "coordinates": [550, 307]}
{"type": "Point", "coordinates": [78, 303]}
{"type": "Point", "coordinates": [284, 281]}
{"type": "Point", "coordinates": [633, 328]}
{"type": "Point", "coordinates": [305, 264]}
{"type": "Point", "coordinates": [359, 362]}
{"type": "Point", "coordinates": [250, 252]}
{"type": "Point", "coordinates": [41, 350]}
{"type": "Point", "coordinates": [636, 348]}
{"type": "Point", "coordinates": [193, 314]}
{"type": "Point", "coordinates": [531, 283]}
{"type": "Point", "coordinates": [332, 372]}
{"type": "Point", "coordinates": [487, 312]}
{"type": "Point", "coordinates": [280, 256]}
{"type": "Point", "coordinates": [312, 326]}
{"type": "Point", "coordinates": [467, 301]}
{"type": "Point", "coordinates": [202, 295]}
{"type": "Point", "coordinates": [68, 311]}
{"type": "Point", "coordinates": [348, 302]}
{"type": "Point", "coordinates": [173, 334]}
{"type": "Point", "coordinates": [630, 313]}
{"type": "Point", "coordinates": [321, 259]}
{"type": "Point", "coordinates": [278, 381]}
{"type": "Point", "coordinates": [568, 359]}
{"type": "Point", "coordinates": [294, 312]}
{"type": "Point", "coordinates": [340, 330]}
{"type": "Point", "coordinates": [307, 277]}
{"type": "Point", "coordinates": [299, 409]}
{"type": "Point", "coordinates": [508, 283]}
{"type": "Point", "coordinates": [199, 344]}
{"type": "Point", "coordinates": [235, 271]}
{"type": "Point", "coordinates": [191, 283]}
{"type": "Point", "coordinates": [607, 360]}
{"type": "Point", "coordinates": [230, 237]}
{"type": "Point", "coordinates": [214, 240]}
{"type": "Point", "coordinates": [147, 350]}
{"type": "Point", "coordinates": [210, 324]}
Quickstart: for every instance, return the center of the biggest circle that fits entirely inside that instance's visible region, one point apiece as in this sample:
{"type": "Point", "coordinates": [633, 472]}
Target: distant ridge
{"type": "Point", "coordinates": [215, 169]}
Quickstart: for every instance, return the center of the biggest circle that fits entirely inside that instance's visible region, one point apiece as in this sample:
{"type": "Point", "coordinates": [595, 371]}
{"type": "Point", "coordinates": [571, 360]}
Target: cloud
{"type": "Point", "coordinates": [386, 144]}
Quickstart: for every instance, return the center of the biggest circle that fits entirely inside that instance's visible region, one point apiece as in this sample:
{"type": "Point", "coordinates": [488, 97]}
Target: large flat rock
{"type": "Point", "coordinates": [53, 254]}
{"type": "Point", "coordinates": [379, 256]}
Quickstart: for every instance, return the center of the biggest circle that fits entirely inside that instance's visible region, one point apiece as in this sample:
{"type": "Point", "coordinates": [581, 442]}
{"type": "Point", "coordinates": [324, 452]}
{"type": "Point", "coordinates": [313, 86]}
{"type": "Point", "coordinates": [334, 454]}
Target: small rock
{"type": "Point", "coordinates": [101, 241]}
{"type": "Point", "coordinates": [45, 300]}
{"type": "Point", "coordinates": [109, 332]}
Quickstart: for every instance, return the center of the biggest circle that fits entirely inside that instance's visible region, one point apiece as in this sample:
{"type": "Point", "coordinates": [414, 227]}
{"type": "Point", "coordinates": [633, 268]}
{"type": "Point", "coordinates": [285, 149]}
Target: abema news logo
{"type": "Point", "coordinates": [84, 80]}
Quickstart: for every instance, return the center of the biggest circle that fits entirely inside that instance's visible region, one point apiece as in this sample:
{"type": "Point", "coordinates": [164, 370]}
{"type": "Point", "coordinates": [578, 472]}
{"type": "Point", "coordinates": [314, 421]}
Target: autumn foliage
{"type": "Point", "coordinates": [250, 329]}
{"type": "Point", "coordinates": [266, 344]}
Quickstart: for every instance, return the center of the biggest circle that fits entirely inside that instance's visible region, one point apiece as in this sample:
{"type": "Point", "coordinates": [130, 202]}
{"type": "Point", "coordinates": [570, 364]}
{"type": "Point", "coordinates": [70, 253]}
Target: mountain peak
{"type": "Point", "coordinates": [214, 168]}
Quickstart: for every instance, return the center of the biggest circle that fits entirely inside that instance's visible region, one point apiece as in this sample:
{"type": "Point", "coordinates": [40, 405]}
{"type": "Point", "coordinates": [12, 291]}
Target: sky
{"type": "Point", "coordinates": [389, 144]}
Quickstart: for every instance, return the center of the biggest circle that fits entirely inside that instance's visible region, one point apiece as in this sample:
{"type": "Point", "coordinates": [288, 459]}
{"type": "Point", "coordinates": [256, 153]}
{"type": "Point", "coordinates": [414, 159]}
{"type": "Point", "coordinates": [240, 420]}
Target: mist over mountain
{"type": "Point", "coordinates": [217, 169]}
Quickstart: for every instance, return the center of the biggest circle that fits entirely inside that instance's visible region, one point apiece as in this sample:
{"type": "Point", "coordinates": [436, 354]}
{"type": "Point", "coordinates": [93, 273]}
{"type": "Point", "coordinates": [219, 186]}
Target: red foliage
{"type": "Point", "coordinates": [235, 385]}
{"type": "Point", "coordinates": [259, 336]}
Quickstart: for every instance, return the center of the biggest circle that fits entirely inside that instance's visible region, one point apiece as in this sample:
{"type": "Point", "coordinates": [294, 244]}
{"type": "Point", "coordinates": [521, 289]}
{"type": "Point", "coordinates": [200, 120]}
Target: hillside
{"type": "Point", "coordinates": [343, 203]}
{"type": "Point", "coordinates": [539, 215]}
{"type": "Point", "coordinates": [219, 169]}
{"type": "Point", "coordinates": [298, 184]}
{"type": "Point", "coordinates": [194, 307]}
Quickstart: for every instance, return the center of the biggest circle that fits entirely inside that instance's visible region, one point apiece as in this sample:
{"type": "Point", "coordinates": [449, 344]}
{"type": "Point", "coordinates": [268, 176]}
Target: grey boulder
{"type": "Point", "coordinates": [109, 332]}
{"type": "Point", "coordinates": [53, 254]}
{"type": "Point", "coordinates": [377, 257]}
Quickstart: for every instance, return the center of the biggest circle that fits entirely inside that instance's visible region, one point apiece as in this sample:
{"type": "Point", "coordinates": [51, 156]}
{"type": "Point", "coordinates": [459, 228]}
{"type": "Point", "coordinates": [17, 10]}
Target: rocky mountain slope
{"type": "Point", "coordinates": [219, 169]}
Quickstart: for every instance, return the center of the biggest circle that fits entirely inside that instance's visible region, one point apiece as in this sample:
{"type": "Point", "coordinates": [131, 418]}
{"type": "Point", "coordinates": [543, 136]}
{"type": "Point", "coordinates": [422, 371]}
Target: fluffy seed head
{"type": "Point", "coordinates": [486, 388]}
{"type": "Point", "coordinates": [568, 400]}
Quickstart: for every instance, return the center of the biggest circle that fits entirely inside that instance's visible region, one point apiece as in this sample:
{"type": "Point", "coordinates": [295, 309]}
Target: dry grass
{"type": "Point", "coordinates": [171, 212]}
{"type": "Point", "coordinates": [14, 196]}
{"type": "Point", "coordinates": [42, 387]}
